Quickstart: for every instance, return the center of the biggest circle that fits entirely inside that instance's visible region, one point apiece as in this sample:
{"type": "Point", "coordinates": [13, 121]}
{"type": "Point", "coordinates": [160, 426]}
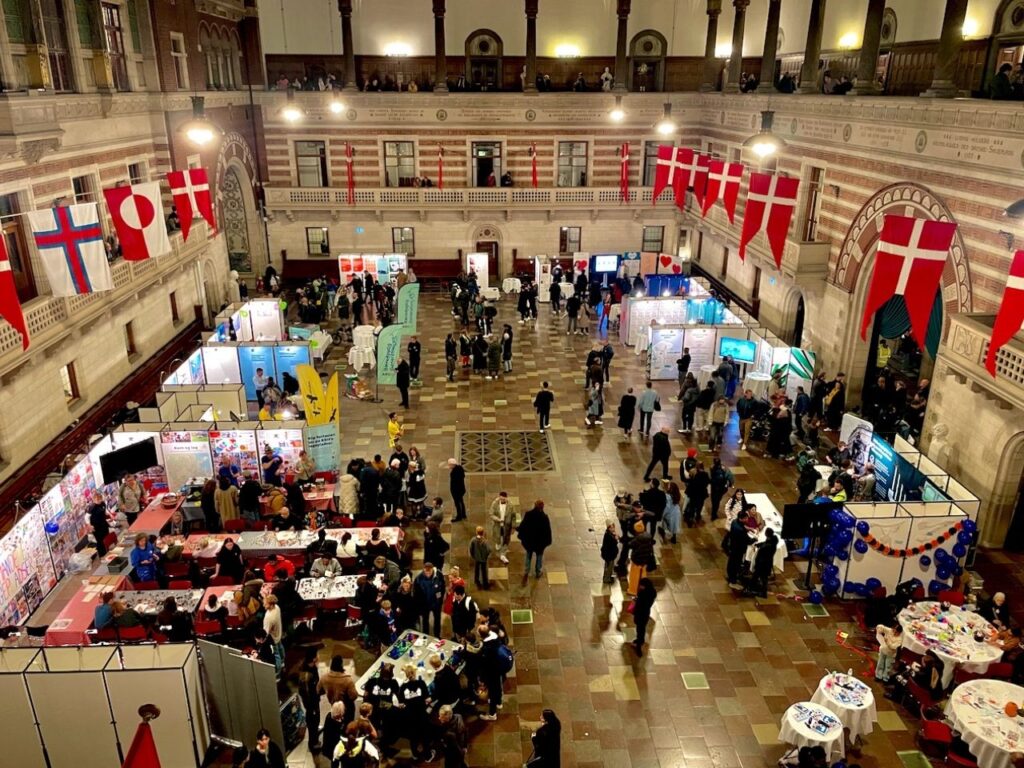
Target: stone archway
{"type": "Point", "coordinates": [856, 259]}
{"type": "Point", "coordinates": [490, 232]}
{"type": "Point", "coordinates": [238, 214]}
{"type": "Point", "coordinates": [647, 52]}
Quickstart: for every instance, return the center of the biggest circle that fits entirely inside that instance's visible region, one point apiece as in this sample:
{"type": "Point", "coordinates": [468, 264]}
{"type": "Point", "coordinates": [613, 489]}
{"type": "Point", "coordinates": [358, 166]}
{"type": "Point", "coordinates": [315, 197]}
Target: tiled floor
{"type": "Point", "coordinates": [720, 670]}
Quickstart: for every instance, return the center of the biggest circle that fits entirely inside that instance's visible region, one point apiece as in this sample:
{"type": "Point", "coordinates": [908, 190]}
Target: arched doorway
{"type": "Point", "coordinates": [235, 222]}
{"type": "Point", "coordinates": [647, 53]}
{"type": "Point", "coordinates": [484, 50]}
{"type": "Point", "coordinates": [1007, 42]}
{"type": "Point", "coordinates": [798, 322]}
{"type": "Point", "coordinates": [237, 210]}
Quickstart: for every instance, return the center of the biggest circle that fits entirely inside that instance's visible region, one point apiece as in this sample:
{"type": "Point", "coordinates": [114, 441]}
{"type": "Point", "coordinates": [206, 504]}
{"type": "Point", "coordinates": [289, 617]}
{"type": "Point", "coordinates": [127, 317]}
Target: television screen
{"type": "Point", "coordinates": [606, 262]}
{"type": "Point", "coordinates": [132, 458]}
{"type": "Point", "coordinates": [740, 350]}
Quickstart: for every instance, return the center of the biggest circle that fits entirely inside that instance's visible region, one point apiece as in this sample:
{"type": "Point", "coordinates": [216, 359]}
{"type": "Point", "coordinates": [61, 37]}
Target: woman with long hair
{"type": "Point", "coordinates": [642, 604]}
{"type": "Point", "coordinates": [547, 742]}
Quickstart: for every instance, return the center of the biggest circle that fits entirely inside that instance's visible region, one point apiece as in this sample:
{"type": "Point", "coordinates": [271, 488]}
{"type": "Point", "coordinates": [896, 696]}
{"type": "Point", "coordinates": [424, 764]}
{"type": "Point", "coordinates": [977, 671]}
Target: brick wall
{"type": "Point", "coordinates": [178, 17]}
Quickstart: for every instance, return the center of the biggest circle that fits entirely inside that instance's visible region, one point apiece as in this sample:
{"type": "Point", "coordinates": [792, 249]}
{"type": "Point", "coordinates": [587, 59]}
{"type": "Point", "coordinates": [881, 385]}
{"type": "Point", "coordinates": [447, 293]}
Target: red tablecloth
{"type": "Point", "coordinates": [69, 628]}
{"type": "Point", "coordinates": [220, 592]}
{"type": "Point", "coordinates": [154, 517]}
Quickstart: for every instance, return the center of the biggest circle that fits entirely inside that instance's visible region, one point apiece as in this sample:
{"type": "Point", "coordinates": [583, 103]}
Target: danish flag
{"type": "Point", "coordinates": [1008, 321]}
{"type": "Point", "coordinates": [440, 167]}
{"type": "Point", "coordinates": [724, 184]}
{"type": "Point", "coordinates": [700, 177]}
{"type": "Point", "coordinates": [911, 256]}
{"type": "Point", "coordinates": [190, 190]}
{"type": "Point", "coordinates": [771, 200]}
{"type": "Point", "coordinates": [624, 172]}
{"type": "Point", "coordinates": [672, 169]}
{"type": "Point", "coordinates": [138, 218]}
{"type": "Point", "coordinates": [533, 165]}
{"type": "Point", "coordinates": [10, 307]}
{"type": "Point", "coordinates": [349, 157]}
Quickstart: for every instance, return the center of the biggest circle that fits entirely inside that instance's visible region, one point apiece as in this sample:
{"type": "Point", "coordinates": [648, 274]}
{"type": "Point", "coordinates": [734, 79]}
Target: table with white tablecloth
{"type": "Point", "coordinates": [851, 699]}
{"type": "Point", "coordinates": [772, 519]}
{"type": "Point", "coordinates": [489, 293]}
{"type": "Point", "coordinates": [977, 710]}
{"type": "Point", "coordinates": [511, 285]}
{"type": "Point", "coordinates": [360, 356]}
{"type": "Point", "coordinates": [362, 336]}
{"type": "Point", "coordinates": [757, 383]}
{"type": "Point", "coordinates": [416, 648]}
{"type": "Point", "coordinates": [567, 290]}
{"type": "Point", "coordinates": [704, 375]}
{"type": "Point", "coordinates": [318, 344]}
{"type": "Point", "coordinates": [149, 602]}
{"type": "Point", "coordinates": [332, 587]}
{"type": "Point", "coordinates": [264, 543]}
{"type": "Point", "coordinates": [806, 724]}
{"type": "Point", "coordinates": [951, 634]}
{"type": "Point", "coordinates": [824, 473]}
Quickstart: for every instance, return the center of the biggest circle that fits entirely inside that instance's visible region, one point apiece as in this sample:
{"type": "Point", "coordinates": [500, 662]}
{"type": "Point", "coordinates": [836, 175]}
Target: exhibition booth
{"type": "Point", "coordinates": [236, 363]}
{"type": "Point", "coordinates": [383, 267]}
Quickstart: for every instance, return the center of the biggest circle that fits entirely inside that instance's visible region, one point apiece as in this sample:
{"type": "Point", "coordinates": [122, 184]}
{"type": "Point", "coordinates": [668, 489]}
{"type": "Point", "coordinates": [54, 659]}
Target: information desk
{"type": "Point", "coordinates": [772, 519]}
{"type": "Point", "coordinates": [155, 516]}
{"type": "Point", "coordinates": [414, 648]}
{"type": "Point", "coordinates": [73, 622]}
{"type": "Point", "coordinates": [264, 543]}
{"type": "Point", "coordinates": [149, 602]}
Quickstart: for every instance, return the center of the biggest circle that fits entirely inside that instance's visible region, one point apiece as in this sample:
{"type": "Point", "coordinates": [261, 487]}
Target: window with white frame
{"type": "Point", "coordinates": [179, 55]}
{"type": "Point", "coordinates": [84, 189]}
{"type": "Point", "coordinates": [572, 163]}
{"type": "Point", "coordinates": [403, 240]}
{"type": "Point", "coordinates": [137, 172]}
{"type": "Point", "coordinates": [653, 239]}
{"type": "Point", "coordinates": [317, 241]}
{"type": "Point", "coordinates": [311, 163]}
{"type": "Point", "coordinates": [399, 163]}
{"type": "Point", "coordinates": [812, 204]}
{"type": "Point", "coordinates": [650, 162]}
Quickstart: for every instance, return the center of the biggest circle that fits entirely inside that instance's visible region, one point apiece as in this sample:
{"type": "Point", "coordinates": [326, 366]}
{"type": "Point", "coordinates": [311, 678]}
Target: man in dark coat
{"type": "Point", "coordinates": [457, 486]}
{"type": "Point", "coordinates": [429, 589]}
{"type": "Point", "coordinates": [414, 348]}
{"type": "Point", "coordinates": [736, 547]}
{"type": "Point", "coordinates": [653, 500]}
{"type": "Point", "coordinates": [402, 381]}
{"type": "Point", "coordinates": [764, 562]}
{"type": "Point", "coordinates": [535, 536]}
{"type": "Point", "coordinates": [661, 452]}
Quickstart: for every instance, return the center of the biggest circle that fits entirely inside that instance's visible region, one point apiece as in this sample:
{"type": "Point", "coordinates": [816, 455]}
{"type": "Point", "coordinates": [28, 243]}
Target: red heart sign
{"type": "Point", "coordinates": [676, 269]}
{"type": "Point", "coordinates": [666, 260]}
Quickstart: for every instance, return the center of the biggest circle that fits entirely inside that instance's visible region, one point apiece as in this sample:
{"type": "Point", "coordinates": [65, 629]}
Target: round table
{"type": "Point", "coordinates": [360, 356]}
{"type": "Point", "coordinates": [926, 627]}
{"type": "Point", "coordinates": [704, 376]}
{"type": "Point", "coordinates": [851, 700]}
{"type": "Point", "coordinates": [511, 285]}
{"type": "Point", "coordinates": [757, 383]}
{"type": "Point", "coordinates": [362, 336]}
{"type": "Point", "coordinates": [489, 293]}
{"type": "Point", "coordinates": [806, 724]}
{"type": "Point", "coordinates": [976, 709]}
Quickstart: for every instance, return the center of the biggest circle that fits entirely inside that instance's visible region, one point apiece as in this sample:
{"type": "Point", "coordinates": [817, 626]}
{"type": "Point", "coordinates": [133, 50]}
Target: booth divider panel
{"type": "Point", "coordinates": [73, 712]}
{"type": "Point", "coordinates": [21, 746]}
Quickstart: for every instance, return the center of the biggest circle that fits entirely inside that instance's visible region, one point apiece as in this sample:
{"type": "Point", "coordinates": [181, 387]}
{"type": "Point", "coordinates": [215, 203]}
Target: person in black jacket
{"type": "Point", "coordinates": [653, 501]}
{"type": "Point", "coordinates": [535, 536]}
{"type": "Point", "coordinates": [661, 452]}
{"type": "Point", "coordinates": [451, 352]}
{"type": "Point", "coordinates": [764, 562]}
{"type": "Point", "coordinates": [434, 545]}
{"type": "Point", "coordinates": [402, 377]}
{"type": "Point", "coordinates": [415, 350]}
{"type": "Point", "coordinates": [547, 742]}
{"type": "Point", "coordinates": [391, 486]}
{"type": "Point", "coordinates": [642, 604]}
{"type": "Point", "coordinates": [98, 521]}
{"type": "Point", "coordinates": [696, 494]}
{"type": "Point", "coordinates": [542, 404]}
{"type": "Point", "coordinates": [249, 500]}
{"type": "Point", "coordinates": [736, 544]}
{"type": "Point", "coordinates": [457, 486]}
{"type": "Point", "coordinates": [464, 612]}
{"type": "Point", "coordinates": [266, 754]}
{"type": "Point", "coordinates": [445, 687]}
{"type": "Point", "coordinates": [609, 551]}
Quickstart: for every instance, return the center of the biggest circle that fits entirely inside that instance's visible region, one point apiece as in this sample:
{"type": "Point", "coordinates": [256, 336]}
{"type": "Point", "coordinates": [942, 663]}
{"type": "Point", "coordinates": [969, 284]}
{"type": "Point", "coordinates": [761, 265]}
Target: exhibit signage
{"type": "Point", "coordinates": [408, 307]}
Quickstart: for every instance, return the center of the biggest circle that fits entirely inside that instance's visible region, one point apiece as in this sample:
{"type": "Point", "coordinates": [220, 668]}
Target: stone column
{"type": "Point", "coordinates": [869, 47]}
{"type": "Point", "coordinates": [345, 9]}
{"type": "Point", "coordinates": [710, 79]}
{"type": "Point", "coordinates": [771, 44]}
{"type": "Point", "coordinates": [812, 51]}
{"type": "Point", "coordinates": [440, 56]}
{"type": "Point", "coordinates": [736, 57]}
{"type": "Point", "coordinates": [530, 84]}
{"type": "Point", "coordinates": [943, 84]}
{"type": "Point", "coordinates": [621, 71]}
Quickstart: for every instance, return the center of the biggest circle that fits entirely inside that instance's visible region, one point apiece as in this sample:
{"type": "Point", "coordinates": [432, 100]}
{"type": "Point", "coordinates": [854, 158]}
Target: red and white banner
{"type": "Point", "coordinates": [909, 262]}
{"type": "Point", "coordinates": [1011, 311]}
{"type": "Point", "coordinates": [138, 218]}
{"type": "Point", "coordinates": [673, 168]}
{"type": "Point", "coordinates": [349, 157]}
{"type": "Point", "coordinates": [190, 191]}
{"type": "Point", "coordinates": [771, 200]}
{"type": "Point", "coordinates": [624, 172]}
{"type": "Point", "coordinates": [440, 167]}
{"type": "Point", "coordinates": [10, 307]}
{"type": "Point", "coordinates": [700, 177]}
{"type": "Point", "coordinates": [723, 184]}
{"type": "Point", "coordinates": [70, 244]}
{"type": "Point", "coordinates": [533, 165]}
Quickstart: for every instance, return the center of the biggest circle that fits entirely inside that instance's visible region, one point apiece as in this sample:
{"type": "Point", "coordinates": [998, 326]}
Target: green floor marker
{"type": "Point", "coordinates": [914, 759]}
{"type": "Point", "coordinates": [522, 616]}
{"type": "Point", "coordinates": [695, 681]}
{"type": "Point", "coordinates": [815, 611]}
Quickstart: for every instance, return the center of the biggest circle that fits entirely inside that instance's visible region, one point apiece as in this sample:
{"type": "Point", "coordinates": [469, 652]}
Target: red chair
{"type": "Point", "coordinates": [177, 569]}
{"type": "Point", "coordinates": [960, 761]}
{"type": "Point", "coordinates": [133, 634]}
{"type": "Point", "coordinates": [1001, 670]}
{"type": "Point", "coordinates": [951, 596]}
{"type": "Point", "coordinates": [919, 697]}
{"type": "Point", "coordinates": [908, 656]}
{"type": "Point", "coordinates": [234, 526]}
{"type": "Point", "coordinates": [145, 585]}
{"type": "Point", "coordinates": [333, 605]}
{"type": "Point", "coordinates": [936, 735]}
{"type": "Point", "coordinates": [206, 563]}
{"type": "Point", "coordinates": [366, 524]}
{"type": "Point", "coordinates": [158, 637]}
{"type": "Point", "coordinates": [221, 581]}
{"type": "Point", "coordinates": [961, 675]}
{"type": "Point", "coordinates": [180, 584]}
{"type": "Point", "coordinates": [105, 635]}
{"type": "Point", "coordinates": [235, 622]}
{"type": "Point", "coordinates": [208, 628]}
{"type": "Point", "coordinates": [917, 595]}
{"type": "Point", "coordinates": [109, 540]}
{"type": "Point", "coordinates": [260, 525]}
{"type": "Point", "coordinates": [354, 613]}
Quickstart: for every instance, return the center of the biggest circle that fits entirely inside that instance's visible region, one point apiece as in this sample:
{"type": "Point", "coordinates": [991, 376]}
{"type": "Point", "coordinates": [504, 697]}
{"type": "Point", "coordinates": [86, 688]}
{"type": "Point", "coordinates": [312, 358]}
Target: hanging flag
{"type": "Point", "coordinates": [909, 262]}
{"type": "Point", "coordinates": [771, 200]}
{"type": "Point", "coordinates": [440, 167]}
{"type": "Point", "coordinates": [190, 190]}
{"type": "Point", "coordinates": [670, 171]}
{"type": "Point", "coordinates": [723, 184]}
{"type": "Point", "coordinates": [10, 307]}
{"type": "Point", "coordinates": [624, 172]}
{"type": "Point", "coordinates": [700, 177]}
{"type": "Point", "coordinates": [533, 165]}
{"type": "Point", "coordinates": [1008, 321]}
{"type": "Point", "coordinates": [70, 245]}
{"type": "Point", "coordinates": [349, 157]}
{"type": "Point", "coordinates": [138, 218]}
{"type": "Point", "coordinates": [142, 753]}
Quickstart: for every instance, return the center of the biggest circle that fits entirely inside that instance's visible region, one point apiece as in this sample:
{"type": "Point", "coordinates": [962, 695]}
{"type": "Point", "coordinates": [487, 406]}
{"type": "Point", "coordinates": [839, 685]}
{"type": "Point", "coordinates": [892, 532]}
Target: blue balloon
{"type": "Point", "coordinates": [937, 586]}
{"type": "Point", "coordinates": [843, 554]}
{"type": "Point", "coordinates": [835, 515]}
{"type": "Point", "coordinates": [970, 526]}
{"type": "Point", "coordinates": [959, 550]}
{"type": "Point", "coordinates": [916, 583]}
{"type": "Point", "coordinates": [847, 520]}
{"type": "Point", "coordinates": [850, 586]}
{"type": "Point", "coordinates": [872, 584]}
{"type": "Point", "coordinates": [861, 546]}
{"type": "Point", "coordinates": [925, 561]}
{"type": "Point", "coordinates": [862, 590]}
{"type": "Point", "coordinates": [863, 527]}
{"type": "Point", "coordinates": [815, 597]}
{"type": "Point", "coordinates": [51, 528]}
{"type": "Point", "coordinates": [958, 570]}
{"type": "Point", "coordinates": [830, 587]}
{"type": "Point", "coordinates": [846, 538]}
{"type": "Point", "coordinates": [963, 537]}
{"type": "Point", "coordinates": [830, 571]}
{"type": "Point", "coordinates": [829, 551]}
{"type": "Point", "coordinates": [941, 556]}
{"type": "Point", "coordinates": [943, 572]}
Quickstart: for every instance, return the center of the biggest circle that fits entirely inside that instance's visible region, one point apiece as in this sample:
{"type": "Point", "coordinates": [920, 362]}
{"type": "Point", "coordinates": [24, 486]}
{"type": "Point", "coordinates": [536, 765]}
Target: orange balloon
{"type": "Point", "coordinates": [1010, 709]}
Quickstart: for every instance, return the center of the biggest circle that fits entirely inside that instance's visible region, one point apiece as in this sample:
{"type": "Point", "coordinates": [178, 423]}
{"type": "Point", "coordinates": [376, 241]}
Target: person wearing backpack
{"type": "Point", "coordinates": [491, 667]}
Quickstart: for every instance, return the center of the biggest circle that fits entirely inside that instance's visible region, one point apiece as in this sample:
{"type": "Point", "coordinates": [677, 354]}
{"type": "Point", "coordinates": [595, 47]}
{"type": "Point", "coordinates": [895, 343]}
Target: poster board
{"type": "Point", "coordinates": [288, 357]}
{"type": "Point", "coordinates": [189, 372]}
{"type": "Point", "coordinates": [895, 477]}
{"type": "Point", "coordinates": [26, 571]}
{"type": "Point", "coordinates": [350, 265]}
{"type": "Point", "coordinates": [665, 347]}
{"type": "Point", "coordinates": [76, 487]}
{"type": "Point", "coordinates": [703, 344]}
{"type": "Point", "coordinates": [542, 277]}
{"type": "Point", "coordinates": [857, 434]}
{"type": "Point", "coordinates": [251, 357]}
{"type": "Point", "coordinates": [266, 319]}
{"type": "Point", "coordinates": [323, 446]}
{"type": "Point", "coordinates": [477, 262]}
{"type": "Point", "coordinates": [801, 371]}
{"type": "Point", "coordinates": [630, 265]}
{"type": "Point", "coordinates": [240, 445]}
{"type": "Point", "coordinates": [221, 364]}
{"type": "Point", "coordinates": [285, 440]}
{"type": "Point", "coordinates": [187, 453]}
{"type": "Point", "coordinates": [389, 352]}
{"type": "Point", "coordinates": [409, 307]}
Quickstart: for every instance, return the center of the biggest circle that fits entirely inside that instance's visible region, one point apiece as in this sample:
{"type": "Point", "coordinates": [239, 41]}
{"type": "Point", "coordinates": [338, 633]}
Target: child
{"type": "Point", "coordinates": [479, 552]}
{"type": "Point", "coordinates": [890, 640]}
{"type": "Point", "coordinates": [609, 550]}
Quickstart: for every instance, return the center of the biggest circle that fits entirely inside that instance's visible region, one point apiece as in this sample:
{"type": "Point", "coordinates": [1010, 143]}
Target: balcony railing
{"type": "Point", "coordinates": [49, 317]}
{"type": "Point", "coordinates": [966, 348]}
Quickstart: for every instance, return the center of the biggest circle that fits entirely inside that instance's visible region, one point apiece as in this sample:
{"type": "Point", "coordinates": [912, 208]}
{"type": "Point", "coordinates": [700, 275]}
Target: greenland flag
{"type": "Point", "coordinates": [138, 218]}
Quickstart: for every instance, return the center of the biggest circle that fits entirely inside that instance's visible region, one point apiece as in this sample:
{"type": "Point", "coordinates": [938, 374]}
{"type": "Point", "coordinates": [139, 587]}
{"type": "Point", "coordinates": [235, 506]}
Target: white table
{"type": "Point", "coordinates": [976, 709]}
{"type": "Point", "coordinates": [489, 293]}
{"type": "Point", "coordinates": [757, 383]}
{"type": "Point", "coordinates": [318, 344]}
{"type": "Point", "coordinates": [704, 375]}
{"type": "Point", "coordinates": [362, 336]}
{"type": "Point", "coordinates": [926, 627]}
{"type": "Point", "coordinates": [263, 543]}
{"type": "Point", "coordinates": [511, 285]}
{"type": "Point", "coordinates": [851, 700]}
{"type": "Point", "coordinates": [806, 724]}
{"type": "Point", "coordinates": [398, 655]}
{"type": "Point", "coordinates": [332, 587]}
{"type": "Point", "coordinates": [566, 289]}
{"type": "Point", "coordinates": [360, 356]}
{"type": "Point", "coordinates": [772, 519]}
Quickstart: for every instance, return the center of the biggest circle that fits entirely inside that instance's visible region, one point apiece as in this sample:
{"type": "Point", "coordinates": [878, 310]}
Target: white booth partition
{"type": "Point", "coordinates": [22, 745]}
{"type": "Point", "coordinates": [225, 399]}
{"type": "Point", "coordinates": [221, 363]}
{"type": "Point", "coordinates": [266, 318]}
{"type": "Point", "coordinates": [665, 344]}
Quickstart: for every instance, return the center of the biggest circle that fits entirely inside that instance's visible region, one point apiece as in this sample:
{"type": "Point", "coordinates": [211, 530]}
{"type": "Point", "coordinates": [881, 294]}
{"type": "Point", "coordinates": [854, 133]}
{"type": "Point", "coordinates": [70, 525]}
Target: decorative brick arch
{"type": "Point", "coordinates": [906, 199]}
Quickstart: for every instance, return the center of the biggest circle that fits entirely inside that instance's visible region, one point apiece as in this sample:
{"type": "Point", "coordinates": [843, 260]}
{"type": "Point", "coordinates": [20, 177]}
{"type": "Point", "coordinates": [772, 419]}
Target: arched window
{"type": "Point", "coordinates": [484, 50]}
{"type": "Point", "coordinates": [647, 53]}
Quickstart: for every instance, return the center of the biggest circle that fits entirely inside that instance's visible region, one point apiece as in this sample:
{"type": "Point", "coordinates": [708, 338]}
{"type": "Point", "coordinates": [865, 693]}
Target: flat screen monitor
{"type": "Point", "coordinates": [740, 350]}
{"type": "Point", "coordinates": [130, 459]}
{"type": "Point", "coordinates": [606, 262]}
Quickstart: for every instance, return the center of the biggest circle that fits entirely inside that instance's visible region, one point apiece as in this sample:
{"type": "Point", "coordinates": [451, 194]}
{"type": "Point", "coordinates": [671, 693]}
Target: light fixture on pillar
{"type": "Point", "coordinates": [666, 125]}
{"type": "Point", "coordinates": [336, 105]}
{"type": "Point", "coordinates": [618, 114]}
{"type": "Point", "coordinates": [399, 50]}
{"type": "Point", "coordinates": [200, 130]}
{"type": "Point", "coordinates": [764, 143]}
{"type": "Point", "coordinates": [291, 111]}
{"type": "Point", "coordinates": [723, 50]}
{"type": "Point", "coordinates": [1015, 210]}
{"type": "Point", "coordinates": [848, 41]}
{"type": "Point", "coordinates": [970, 28]}
{"type": "Point", "coordinates": [567, 51]}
